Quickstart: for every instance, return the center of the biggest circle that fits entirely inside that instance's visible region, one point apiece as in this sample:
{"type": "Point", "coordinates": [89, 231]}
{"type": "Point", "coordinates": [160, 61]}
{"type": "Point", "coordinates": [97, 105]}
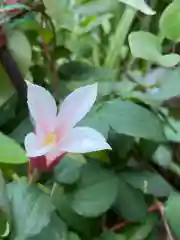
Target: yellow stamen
{"type": "Point", "coordinates": [51, 138]}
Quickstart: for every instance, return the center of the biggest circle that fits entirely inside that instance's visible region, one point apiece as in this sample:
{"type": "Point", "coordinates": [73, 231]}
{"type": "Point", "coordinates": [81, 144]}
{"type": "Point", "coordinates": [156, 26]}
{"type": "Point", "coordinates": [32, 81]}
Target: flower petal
{"type": "Point", "coordinates": [76, 106]}
{"type": "Point", "coordinates": [82, 140]}
{"type": "Point", "coordinates": [54, 157]}
{"type": "Point", "coordinates": [30, 142]}
{"type": "Point", "coordinates": [42, 106]}
{"type": "Point", "coordinates": [32, 146]}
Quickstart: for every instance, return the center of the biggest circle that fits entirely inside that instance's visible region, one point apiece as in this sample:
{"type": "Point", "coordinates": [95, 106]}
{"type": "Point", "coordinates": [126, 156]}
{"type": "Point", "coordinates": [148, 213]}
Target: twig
{"type": "Point", "coordinates": [121, 225]}
{"type": "Point", "coordinates": [166, 225]}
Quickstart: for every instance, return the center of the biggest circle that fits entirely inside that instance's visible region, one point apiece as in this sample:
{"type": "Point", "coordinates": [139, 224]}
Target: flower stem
{"type": "Point", "coordinates": [35, 176]}
{"type": "Point", "coordinates": [175, 168]}
{"type": "Point", "coordinates": [119, 37]}
{"type": "Point", "coordinates": [15, 177]}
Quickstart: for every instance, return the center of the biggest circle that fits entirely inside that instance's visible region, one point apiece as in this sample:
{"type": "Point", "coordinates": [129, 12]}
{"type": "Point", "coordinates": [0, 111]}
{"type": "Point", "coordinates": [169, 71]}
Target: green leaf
{"type": "Point", "coordinates": [151, 50]}
{"type": "Point", "coordinates": [169, 85]}
{"type": "Point", "coordinates": [4, 208]}
{"type": "Point", "coordinates": [92, 22]}
{"type": "Point", "coordinates": [55, 230]}
{"type": "Point", "coordinates": [112, 236]}
{"type": "Point", "coordinates": [131, 119]}
{"type": "Point", "coordinates": [21, 52]}
{"type": "Point", "coordinates": [170, 134]}
{"type": "Point", "coordinates": [148, 182]}
{"type": "Point", "coordinates": [163, 156]}
{"type": "Point", "coordinates": [172, 212]}
{"type": "Point", "coordinates": [8, 98]}
{"type": "Point", "coordinates": [10, 151]}
{"type": "Point", "coordinates": [96, 191]}
{"type": "Point", "coordinates": [130, 203]}
{"type": "Point", "coordinates": [73, 236]}
{"type": "Point", "coordinates": [95, 7]}
{"type": "Point", "coordinates": [170, 21]}
{"type": "Point", "coordinates": [22, 130]}
{"type": "Point", "coordinates": [95, 119]}
{"type": "Point", "coordinates": [61, 13]}
{"type": "Point", "coordinates": [69, 170]}
{"type": "Point", "coordinates": [140, 5]}
{"type": "Point", "coordinates": [31, 209]}
{"type": "Point", "coordinates": [78, 71]}
{"type": "Point", "coordinates": [62, 201]}
{"type": "Point", "coordinates": [121, 144]}
{"type": "Point", "coordinates": [142, 232]}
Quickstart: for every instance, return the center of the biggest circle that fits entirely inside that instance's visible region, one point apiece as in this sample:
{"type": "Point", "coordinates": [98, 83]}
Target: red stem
{"type": "Point", "coordinates": [51, 66]}
{"type": "Point", "coordinates": [121, 225]}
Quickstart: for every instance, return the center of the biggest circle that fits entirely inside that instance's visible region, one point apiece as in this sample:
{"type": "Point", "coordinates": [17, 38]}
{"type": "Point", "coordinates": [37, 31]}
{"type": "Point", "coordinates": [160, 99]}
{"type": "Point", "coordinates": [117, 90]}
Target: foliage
{"type": "Point", "coordinates": [131, 49]}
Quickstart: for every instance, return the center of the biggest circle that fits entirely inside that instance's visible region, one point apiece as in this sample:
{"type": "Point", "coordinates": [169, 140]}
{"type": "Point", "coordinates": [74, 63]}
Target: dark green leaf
{"type": "Point", "coordinates": [96, 191]}
{"type": "Point", "coordinates": [62, 201]}
{"type": "Point", "coordinates": [68, 171]}
{"type": "Point", "coordinates": [8, 98]}
{"type": "Point", "coordinates": [22, 130]}
{"type": "Point", "coordinates": [131, 119]}
{"type": "Point", "coordinates": [111, 236]}
{"type": "Point", "coordinates": [130, 202]}
{"type": "Point", "coordinates": [142, 232]}
{"type": "Point", "coordinates": [148, 182]}
{"type": "Point", "coordinates": [21, 52]}
{"type": "Point", "coordinates": [76, 70]}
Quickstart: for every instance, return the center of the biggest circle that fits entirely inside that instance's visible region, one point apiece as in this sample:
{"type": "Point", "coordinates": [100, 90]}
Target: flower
{"type": "Point", "coordinates": [55, 132]}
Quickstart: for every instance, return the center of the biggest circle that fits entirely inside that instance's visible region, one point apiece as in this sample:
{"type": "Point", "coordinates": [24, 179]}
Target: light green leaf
{"type": "Point", "coordinates": [31, 209]}
{"type": "Point", "coordinates": [140, 5]}
{"type": "Point", "coordinates": [170, 134]}
{"type": "Point", "coordinates": [148, 182]}
{"type": "Point", "coordinates": [130, 202]}
{"type": "Point", "coordinates": [55, 230]}
{"type": "Point", "coordinates": [151, 50]}
{"type": "Point", "coordinates": [60, 11]}
{"type": "Point", "coordinates": [92, 22]}
{"type": "Point", "coordinates": [21, 52]}
{"type": "Point", "coordinates": [169, 85]}
{"type": "Point", "coordinates": [4, 208]}
{"type": "Point", "coordinates": [170, 21]}
{"type": "Point", "coordinates": [95, 7]}
{"type": "Point", "coordinates": [10, 151]}
{"type": "Point", "coordinates": [69, 170]}
{"type": "Point", "coordinates": [172, 212]}
{"type": "Point", "coordinates": [163, 156]}
{"type": "Point", "coordinates": [96, 191]}
{"type": "Point", "coordinates": [73, 236]}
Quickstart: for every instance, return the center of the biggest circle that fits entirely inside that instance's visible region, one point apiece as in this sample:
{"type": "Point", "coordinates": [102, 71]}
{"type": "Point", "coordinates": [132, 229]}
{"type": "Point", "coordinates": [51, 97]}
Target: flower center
{"type": "Point", "coordinates": [50, 139]}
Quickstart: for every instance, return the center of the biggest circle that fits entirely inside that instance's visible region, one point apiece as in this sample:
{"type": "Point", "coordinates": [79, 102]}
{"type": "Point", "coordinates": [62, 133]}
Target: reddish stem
{"type": "Point", "coordinates": [51, 66]}
{"type": "Point", "coordinates": [121, 225]}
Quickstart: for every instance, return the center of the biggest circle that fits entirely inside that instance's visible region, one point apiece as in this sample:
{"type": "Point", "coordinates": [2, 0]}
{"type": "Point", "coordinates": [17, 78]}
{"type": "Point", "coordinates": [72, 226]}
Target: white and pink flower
{"type": "Point", "coordinates": [55, 132]}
